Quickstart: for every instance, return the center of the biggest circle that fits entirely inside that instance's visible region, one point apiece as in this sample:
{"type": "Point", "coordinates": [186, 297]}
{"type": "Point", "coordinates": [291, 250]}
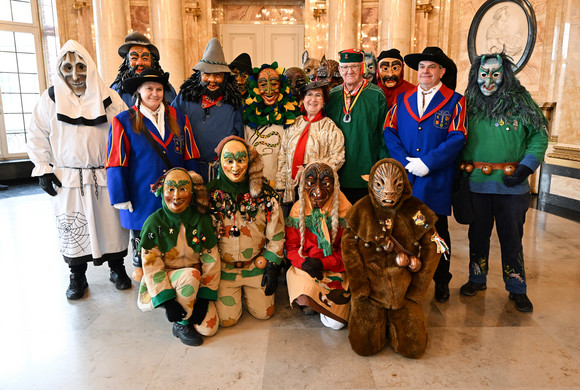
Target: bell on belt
{"type": "Point", "coordinates": [486, 170]}
{"type": "Point", "coordinates": [508, 170]}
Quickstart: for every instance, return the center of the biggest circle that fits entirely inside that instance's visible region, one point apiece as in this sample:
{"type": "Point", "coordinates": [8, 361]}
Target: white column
{"type": "Point", "coordinates": [167, 29]}
{"type": "Point", "coordinates": [110, 31]}
{"type": "Point", "coordinates": [344, 18]}
{"type": "Point", "coordinates": [396, 25]}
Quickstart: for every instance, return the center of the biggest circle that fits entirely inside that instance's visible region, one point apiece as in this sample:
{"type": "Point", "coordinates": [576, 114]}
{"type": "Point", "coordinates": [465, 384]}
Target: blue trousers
{"type": "Point", "coordinates": [509, 214]}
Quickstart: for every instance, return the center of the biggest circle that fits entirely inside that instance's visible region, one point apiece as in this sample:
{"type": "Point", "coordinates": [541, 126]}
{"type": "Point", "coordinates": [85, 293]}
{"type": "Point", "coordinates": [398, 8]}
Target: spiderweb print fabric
{"type": "Point", "coordinates": [73, 233]}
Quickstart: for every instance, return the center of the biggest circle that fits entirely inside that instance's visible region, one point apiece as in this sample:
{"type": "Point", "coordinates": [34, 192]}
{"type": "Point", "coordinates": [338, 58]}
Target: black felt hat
{"type": "Point", "coordinates": [431, 53]}
{"type": "Point", "coordinates": [131, 84]}
{"type": "Point", "coordinates": [242, 62]}
{"type": "Point", "coordinates": [392, 53]}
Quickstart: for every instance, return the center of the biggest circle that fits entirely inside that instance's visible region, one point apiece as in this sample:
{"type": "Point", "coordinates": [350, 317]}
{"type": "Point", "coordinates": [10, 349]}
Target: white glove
{"type": "Point", "coordinates": [417, 167]}
{"type": "Point", "coordinates": [124, 206]}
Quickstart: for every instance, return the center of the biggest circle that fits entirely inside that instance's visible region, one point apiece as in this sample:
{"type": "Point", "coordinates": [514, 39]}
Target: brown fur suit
{"type": "Point", "coordinates": [385, 294]}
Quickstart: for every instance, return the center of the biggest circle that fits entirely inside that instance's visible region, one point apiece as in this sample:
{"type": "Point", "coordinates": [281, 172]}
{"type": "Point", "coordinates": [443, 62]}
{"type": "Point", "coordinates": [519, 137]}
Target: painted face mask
{"type": "Point", "coordinates": [73, 69]}
{"type": "Point", "coordinates": [390, 70]}
{"type": "Point", "coordinates": [387, 185]}
{"type": "Point", "coordinates": [177, 191]}
{"type": "Point", "coordinates": [490, 75]}
{"type": "Point", "coordinates": [139, 58]}
{"type": "Point", "coordinates": [319, 184]}
{"type": "Point", "coordinates": [241, 80]}
{"type": "Point", "coordinates": [269, 86]}
{"type": "Point", "coordinates": [234, 161]}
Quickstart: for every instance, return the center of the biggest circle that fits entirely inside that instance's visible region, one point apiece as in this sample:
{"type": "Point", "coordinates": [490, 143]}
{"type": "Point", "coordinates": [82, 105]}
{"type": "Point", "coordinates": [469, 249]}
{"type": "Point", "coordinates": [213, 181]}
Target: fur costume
{"type": "Point", "coordinates": [386, 296]}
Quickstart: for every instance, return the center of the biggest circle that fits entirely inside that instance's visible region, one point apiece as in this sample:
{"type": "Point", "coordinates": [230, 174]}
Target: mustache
{"type": "Point", "coordinates": [390, 78]}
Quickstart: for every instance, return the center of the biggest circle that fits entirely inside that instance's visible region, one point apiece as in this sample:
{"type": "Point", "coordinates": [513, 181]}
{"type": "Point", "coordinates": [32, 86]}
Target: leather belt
{"type": "Point", "coordinates": [242, 264]}
{"type": "Point", "coordinates": [487, 168]}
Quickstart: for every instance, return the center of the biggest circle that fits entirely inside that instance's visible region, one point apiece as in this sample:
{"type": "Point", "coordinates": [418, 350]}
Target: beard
{"type": "Point", "coordinates": [387, 79]}
{"type": "Point", "coordinates": [213, 95]}
{"type": "Point", "coordinates": [131, 72]}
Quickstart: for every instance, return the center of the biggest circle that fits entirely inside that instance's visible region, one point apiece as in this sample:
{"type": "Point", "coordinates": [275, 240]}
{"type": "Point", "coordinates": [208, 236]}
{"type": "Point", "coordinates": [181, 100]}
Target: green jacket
{"type": "Point", "coordinates": [363, 135]}
{"type": "Point", "coordinates": [498, 142]}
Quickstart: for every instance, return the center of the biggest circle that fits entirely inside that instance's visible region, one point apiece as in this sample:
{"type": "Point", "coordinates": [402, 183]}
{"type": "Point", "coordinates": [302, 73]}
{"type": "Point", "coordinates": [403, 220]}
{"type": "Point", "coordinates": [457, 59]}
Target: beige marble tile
{"type": "Point", "coordinates": [104, 341]}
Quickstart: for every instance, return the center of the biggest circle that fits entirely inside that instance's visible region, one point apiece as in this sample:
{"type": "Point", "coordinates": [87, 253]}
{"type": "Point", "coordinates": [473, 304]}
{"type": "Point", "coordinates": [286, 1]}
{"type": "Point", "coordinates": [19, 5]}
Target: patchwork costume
{"type": "Point", "coordinates": [67, 137]}
{"type": "Point", "coordinates": [390, 255]}
{"type": "Point", "coordinates": [181, 261]}
{"type": "Point", "coordinates": [248, 218]}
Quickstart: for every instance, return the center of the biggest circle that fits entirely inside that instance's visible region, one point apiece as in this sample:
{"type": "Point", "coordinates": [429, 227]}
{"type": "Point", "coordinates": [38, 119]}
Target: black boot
{"type": "Point", "coordinates": [119, 276]}
{"type": "Point", "coordinates": [522, 302]}
{"type": "Point", "coordinates": [187, 334]}
{"type": "Point", "coordinates": [78, 285]}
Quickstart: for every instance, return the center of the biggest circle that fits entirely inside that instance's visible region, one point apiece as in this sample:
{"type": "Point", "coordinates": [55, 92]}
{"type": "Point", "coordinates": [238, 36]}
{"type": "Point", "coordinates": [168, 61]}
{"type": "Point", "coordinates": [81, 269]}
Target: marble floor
{"type": "Point", "coordinates": [104, 341]}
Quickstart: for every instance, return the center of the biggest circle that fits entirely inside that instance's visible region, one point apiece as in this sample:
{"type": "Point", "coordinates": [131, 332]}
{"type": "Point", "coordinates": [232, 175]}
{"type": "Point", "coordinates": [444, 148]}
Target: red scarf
{"type": "Point", "coordinates": [298, 159]}
{"type": "Point", "coordinates": [207, 102]}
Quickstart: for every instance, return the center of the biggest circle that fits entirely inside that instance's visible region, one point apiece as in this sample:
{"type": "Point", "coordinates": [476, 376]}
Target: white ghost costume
{"type": "Point", "coordinates": [68, 136]}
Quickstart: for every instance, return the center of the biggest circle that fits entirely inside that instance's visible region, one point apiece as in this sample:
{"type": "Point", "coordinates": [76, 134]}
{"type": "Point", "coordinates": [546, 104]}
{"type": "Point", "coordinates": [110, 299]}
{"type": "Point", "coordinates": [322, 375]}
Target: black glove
{"type": "Point", "coordinates": [520, 174]}
{"type": "Point", "coordinates": [314, 267]}
{"type": "Point", "coordinates": [270, 278]}
{"type": "Point", "coordinates": [46, 183]}
{"type": "Point", "coordinates": [199, 311]}
{"type": "Point", "coordinates": [173, 310]}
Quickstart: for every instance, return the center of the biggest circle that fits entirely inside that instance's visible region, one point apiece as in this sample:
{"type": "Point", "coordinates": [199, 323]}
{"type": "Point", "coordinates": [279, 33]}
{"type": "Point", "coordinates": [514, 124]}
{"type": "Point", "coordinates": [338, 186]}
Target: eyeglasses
{"type": "Point", "coordinates": [350, 67]}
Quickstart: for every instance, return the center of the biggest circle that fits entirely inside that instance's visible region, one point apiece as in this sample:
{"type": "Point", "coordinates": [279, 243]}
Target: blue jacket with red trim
{"type": "Point", "coordinates": [436, 138]}
{"type": "Point", "coordinates": [133, 165]}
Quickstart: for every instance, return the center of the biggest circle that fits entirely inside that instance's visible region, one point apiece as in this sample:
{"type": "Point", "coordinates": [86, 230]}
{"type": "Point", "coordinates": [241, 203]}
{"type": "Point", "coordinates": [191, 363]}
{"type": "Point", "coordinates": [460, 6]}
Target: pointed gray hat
{"type": "Point", "coordinates": [213, 60]}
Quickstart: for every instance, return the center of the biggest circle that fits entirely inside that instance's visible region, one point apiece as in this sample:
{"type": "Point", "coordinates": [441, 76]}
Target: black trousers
{"type": "Point", "coordinates": [509, 214]}
{"type": "Point", "coordinates": [442, 274]}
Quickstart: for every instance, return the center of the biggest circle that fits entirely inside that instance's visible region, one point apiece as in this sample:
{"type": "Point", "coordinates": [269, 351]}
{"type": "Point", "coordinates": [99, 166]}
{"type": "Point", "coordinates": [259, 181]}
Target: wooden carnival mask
{"type": "Point", "coordinates": [269, 86]}
{"type": "Point", "coordinates": [235, 160]}
{"type": "Point", "coordinates": [177, 190]}
{"type": "Point", "coordinates": [387, 185]}
{"type": "Point", "coordinates": [319, 184]}
{"type": "Point", "coordinates": [73, 69]}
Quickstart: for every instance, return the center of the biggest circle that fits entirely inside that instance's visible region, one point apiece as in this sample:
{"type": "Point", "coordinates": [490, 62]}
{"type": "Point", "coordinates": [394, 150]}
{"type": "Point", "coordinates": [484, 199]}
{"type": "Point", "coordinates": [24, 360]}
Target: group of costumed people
{"type": "Point", "coordinates": [246, 172]}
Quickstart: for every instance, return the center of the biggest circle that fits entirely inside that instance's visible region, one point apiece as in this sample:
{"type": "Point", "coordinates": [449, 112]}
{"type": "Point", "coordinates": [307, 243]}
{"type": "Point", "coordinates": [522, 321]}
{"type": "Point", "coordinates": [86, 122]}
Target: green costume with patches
{"type": "Point", "coordinates": [180, 261]}
{"type": "Point", "coordinates": [248, 227]}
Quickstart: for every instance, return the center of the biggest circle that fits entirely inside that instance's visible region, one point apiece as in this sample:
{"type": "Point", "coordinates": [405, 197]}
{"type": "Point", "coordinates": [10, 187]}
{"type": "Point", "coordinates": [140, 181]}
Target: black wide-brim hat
{"type": "Point", "coordinates": [431, 53]}
{"type": "Point", "coordinates": [131, 84]}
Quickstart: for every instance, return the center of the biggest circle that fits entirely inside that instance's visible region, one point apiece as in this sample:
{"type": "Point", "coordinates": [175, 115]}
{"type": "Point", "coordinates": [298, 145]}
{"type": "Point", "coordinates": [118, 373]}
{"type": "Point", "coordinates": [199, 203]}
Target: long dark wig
{"type": "Point", "coordinates": [510, 101]}
{"type": "Point", "coordinates": [192, 89]}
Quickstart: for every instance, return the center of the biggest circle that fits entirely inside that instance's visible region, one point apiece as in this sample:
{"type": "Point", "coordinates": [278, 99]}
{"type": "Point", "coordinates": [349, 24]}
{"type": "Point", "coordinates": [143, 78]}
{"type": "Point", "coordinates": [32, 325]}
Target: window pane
{"type": "Point", "coordinates": [29, 101]}
{"type": "Point", "coordinates": [25, 42]}
{"type": "Point", "coordinates": [29, 83]}
{"type": "Point", "coordinates": [9, 82]}
{"type": "Point", "coordinates": [6, 14]}
{"type": "Point", "coordinates": [27, 63]}
{"type": "Point", "coordinates": [8, 62]}
{"type": "Point", "coordinates": [6, 39]}
{"type": "Point", "coordinates": [21, 11]}
{"type": "Point", "coordinates": [16, 142]}
{"type": "Point", "coordinates": [13, 122]}
{"type": "Point", "coordinates": [11, 103]}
